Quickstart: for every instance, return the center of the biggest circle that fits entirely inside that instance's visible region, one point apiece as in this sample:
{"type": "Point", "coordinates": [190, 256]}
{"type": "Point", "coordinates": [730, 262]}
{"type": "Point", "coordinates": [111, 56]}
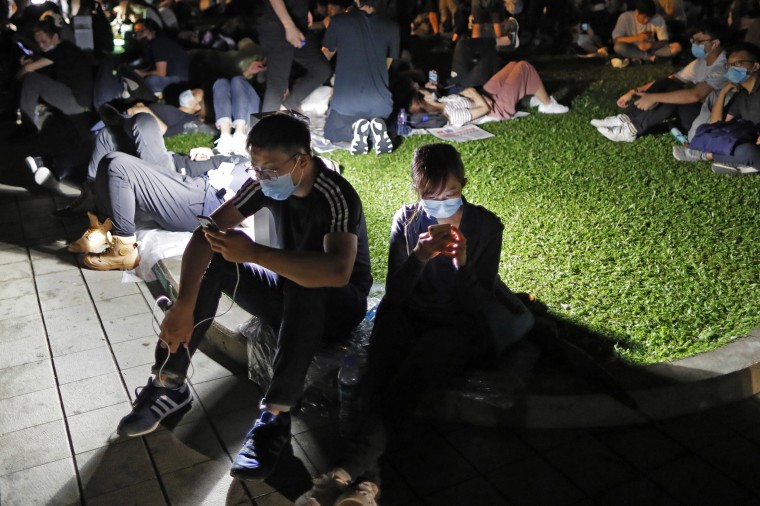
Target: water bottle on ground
{"type": "Point", "coordinates": [679, 136]}
{"type": "Point", "coordinates": [402, 127]}
{"type": "Point", "coordinates": [348, 385]}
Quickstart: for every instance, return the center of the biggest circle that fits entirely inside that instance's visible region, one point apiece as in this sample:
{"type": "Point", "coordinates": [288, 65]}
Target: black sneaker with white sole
{"type": "Point", "coordinates": [380, 137]}
{"type": "Point", "coordinates": [360, 141]}
{"type": "Point", "coordinates": [153, 404]}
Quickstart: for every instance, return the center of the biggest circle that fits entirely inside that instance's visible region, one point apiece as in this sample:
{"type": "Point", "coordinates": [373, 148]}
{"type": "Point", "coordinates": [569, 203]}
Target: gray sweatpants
{"type": "Point", "coordinates": [36, 87]}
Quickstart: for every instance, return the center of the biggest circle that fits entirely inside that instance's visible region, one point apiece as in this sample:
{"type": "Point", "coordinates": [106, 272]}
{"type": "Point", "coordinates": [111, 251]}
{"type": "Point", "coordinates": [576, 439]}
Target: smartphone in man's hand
{"type": "Point", "coordinates": [207, 223]}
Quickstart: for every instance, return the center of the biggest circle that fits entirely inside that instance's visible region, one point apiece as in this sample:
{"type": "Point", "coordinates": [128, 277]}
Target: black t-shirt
{"type": "Point", "coordinates": [362, 42]}
{"type": "Point", "coordinates": [72, 68]}
{"type": "Point", "coordinates": [302, 222]}
{"type": "Point", "coordinates": [162, 48]}
{"type": "Point", "coordinates": [746, 105]}
{"type": "Point", "coordinates": [173, 118]}
{"type": "Point", "coordinates": [298, 10]}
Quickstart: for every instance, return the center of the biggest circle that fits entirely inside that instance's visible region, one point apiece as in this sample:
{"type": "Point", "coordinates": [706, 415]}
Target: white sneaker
{"type": "Point", "coordinates": [239, 140]}
{"type": "Point", "coordinates": [619, 63]}
{"type": "Point", "coordinates": [684, 154]}
{"type": "Point", "coordinates": [534, 101]}
{"type": "Point", "coordinates": [609, 121]}
{"type": "Point", "coordinates": [224, 144]}
{"type": "Point", "coordinates": [553, 107]}
{"type": "Point", "coordinates": [619, 133]}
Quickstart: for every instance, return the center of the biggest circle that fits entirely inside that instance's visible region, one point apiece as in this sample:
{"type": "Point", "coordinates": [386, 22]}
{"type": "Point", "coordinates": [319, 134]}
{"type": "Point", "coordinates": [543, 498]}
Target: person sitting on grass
{"type": "Point", "coordinates": [443, 265]}
{"type": "Point", "coordinates": [499, 99]}
{"type": "Point", "coordinates": [643, 35]}
{"type": "Point", "coordinates": [743, 69]}
{"type": "Point", "coordinates": [235, 101]}
{"type": "Point", "coordinates": [680, 94]}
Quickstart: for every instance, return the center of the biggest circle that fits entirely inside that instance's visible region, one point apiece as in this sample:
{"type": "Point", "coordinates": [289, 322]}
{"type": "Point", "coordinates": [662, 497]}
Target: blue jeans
{"type": "Point", "coordinates": [234, 101]}
{"type": "Point", "coordinates": [158, 83]}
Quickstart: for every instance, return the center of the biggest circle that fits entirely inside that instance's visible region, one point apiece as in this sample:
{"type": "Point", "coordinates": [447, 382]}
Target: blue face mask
{"type": "Point", "coordinates": [442, 208]}
{"type": "Point", "coordinates": [737, 75]}
{"type": "Point", "coordinates": [280, 188]}
{"type": "Point", "coordinates": [698, 50]}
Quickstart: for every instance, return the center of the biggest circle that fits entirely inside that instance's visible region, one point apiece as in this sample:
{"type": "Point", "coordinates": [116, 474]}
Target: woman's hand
{"type": "Point", "coordinates": [433, 243]}
{"type": "Point", "coordinates": [459, 245]}
{"type": "Point", "coordinates": [234, 245]}
{"type": "Point", "coordinates": [177, 327]}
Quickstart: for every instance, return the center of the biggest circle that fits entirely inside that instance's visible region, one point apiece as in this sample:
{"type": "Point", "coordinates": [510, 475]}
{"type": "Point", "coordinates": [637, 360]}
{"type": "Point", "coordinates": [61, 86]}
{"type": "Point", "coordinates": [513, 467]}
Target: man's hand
{"type": "Point", "coordinates": [729, 87]}
{"type": "Point", "coordinates": [200, 154]}
{"type": "Point", "coordinates": [645, 101]}
{"type": "Point", "coordinates": [295, 37]}
{"type": "Point", "coordinates": [234, 245]}
{"type": "Point", "coordinates": [644, 46]}
{"type": "Point", "coordinates": [625, 100]}
{"type": "Point", "coordinates": [177, 327]}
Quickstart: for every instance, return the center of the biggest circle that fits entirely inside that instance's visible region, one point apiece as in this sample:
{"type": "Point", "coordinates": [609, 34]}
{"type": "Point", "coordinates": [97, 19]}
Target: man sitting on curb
{"type": "Point", "coordinates": [643, 35]}
{"type": "Point", "coordinates": [315, 286]}
{"type": "Point", "coordinates": [669, 96]}
{"type": "Point", "coordinates": [743, 70]}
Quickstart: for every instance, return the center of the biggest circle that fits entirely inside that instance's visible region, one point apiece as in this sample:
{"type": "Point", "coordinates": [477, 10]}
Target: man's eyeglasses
{"type": "Point", "coordinates": [737, 63]}
{"type": "Point", "coordinates": [267, 174]}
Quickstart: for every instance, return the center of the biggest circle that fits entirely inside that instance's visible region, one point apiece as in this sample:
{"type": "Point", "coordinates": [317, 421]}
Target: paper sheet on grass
{"type": "Point", "coordinates": [463, 133]}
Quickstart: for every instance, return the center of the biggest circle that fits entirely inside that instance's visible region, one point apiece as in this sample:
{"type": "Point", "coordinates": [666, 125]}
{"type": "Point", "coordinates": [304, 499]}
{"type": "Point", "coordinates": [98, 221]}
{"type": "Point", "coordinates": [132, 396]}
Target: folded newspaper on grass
{"type": "Point", "coordinates": [460, 134]}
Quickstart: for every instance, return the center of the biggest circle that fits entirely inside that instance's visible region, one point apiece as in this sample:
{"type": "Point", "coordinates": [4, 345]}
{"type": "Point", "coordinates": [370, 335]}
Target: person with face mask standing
{"type": "Point", "coordinates": [61, 78]}
{"type": "Point", "coordinates": [741, 70]}
{"type": "Point", "coordinates": [652, 104]}
{"type": "Point", "coordinates": [314, 286]}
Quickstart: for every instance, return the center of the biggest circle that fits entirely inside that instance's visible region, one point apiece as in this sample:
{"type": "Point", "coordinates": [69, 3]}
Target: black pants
{"type": "Point", "coordinates": [409, 355]}
{"type": "Point", "coordinates": [644, 121]}
{"type": "Point", "coordinates": [301, 316]}
{"type": "Point", "coordinates": [744, 154]}
{"type": "Point", "coordinates": [280, 56]}
{"type": "Point", "coordinates": [475, 61]}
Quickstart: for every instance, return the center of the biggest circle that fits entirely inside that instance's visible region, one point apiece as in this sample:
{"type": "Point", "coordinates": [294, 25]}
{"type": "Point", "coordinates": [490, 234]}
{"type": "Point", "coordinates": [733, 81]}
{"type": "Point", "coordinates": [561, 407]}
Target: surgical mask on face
{"type": "Point", "coordinates": [442, 208]}
{"type": "Point", "coordinates": [698, 50]}
{"type": "Point", "coordinates": [280, 188]}
{"type": "Point", "coordinates": [737, 74]}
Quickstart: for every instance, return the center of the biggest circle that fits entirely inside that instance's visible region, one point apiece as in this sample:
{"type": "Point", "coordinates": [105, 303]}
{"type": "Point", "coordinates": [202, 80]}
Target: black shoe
{"type": "Point", "coordinates": [79, 206]}
{"type": "Point", "coordinates": [153, 404]}
{"type": "Point", "coordinates": [262, 447]}
{"type": "Point", "coordinates": [111, 116]}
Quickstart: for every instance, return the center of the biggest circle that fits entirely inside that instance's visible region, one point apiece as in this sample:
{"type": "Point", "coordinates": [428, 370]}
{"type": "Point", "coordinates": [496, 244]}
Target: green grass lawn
{"type": "Point", "coordinates": [662, 257]}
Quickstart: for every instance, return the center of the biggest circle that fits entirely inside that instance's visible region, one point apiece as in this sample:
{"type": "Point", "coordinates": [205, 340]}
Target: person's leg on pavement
{"type": "Point", "coordinates": [317, 68]}
{"type": "Point", "coordinates": [279, 54]}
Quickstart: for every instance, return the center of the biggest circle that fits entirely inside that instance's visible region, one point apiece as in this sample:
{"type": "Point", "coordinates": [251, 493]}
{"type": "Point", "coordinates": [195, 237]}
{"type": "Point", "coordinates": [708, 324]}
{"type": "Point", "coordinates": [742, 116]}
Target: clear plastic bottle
{"type": "Point", "coordinates": [348, 385]}
{"type": "Point", "coordinates": [402, 127]}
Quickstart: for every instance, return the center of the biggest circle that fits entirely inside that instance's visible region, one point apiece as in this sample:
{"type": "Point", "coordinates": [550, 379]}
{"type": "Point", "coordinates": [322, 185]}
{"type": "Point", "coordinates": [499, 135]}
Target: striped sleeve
{"type": "Point", "coordinates": [340, 210]}
{"type": "Point", "coordinates": [457, 114]}
{"type": "Point", "coordinates": [248, 199]}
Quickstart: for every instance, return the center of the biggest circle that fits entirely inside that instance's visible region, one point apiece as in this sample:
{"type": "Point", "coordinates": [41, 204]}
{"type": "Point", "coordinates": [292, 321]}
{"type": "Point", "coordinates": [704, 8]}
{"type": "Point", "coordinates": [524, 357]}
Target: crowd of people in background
{"type": "Point", "coordinates": [126, 75]}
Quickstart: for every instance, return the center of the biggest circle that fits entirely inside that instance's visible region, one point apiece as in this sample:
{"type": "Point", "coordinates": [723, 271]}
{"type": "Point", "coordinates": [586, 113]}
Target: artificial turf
{"type": "Point", "coordinates": [660, 257]}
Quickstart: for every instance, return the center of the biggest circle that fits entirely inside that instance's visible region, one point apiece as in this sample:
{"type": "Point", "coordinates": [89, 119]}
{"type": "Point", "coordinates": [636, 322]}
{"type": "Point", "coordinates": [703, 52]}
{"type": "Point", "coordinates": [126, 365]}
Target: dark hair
{"type": "Point", "coordinates": [47, 25]}
{"type": "Point", "coordinates": [712, 27]}
{"type": "Point", "coordinates": [375, 4]}
{"type": "Point", "coordinates": [748, 47]}
{"type": "Point", "coordinates": [431, 166]}
{"type": "Point", "coordinates": [418, 104]}
{"type": "Point", "coordinates": [281, 131]}
{"type": "Point", "coordinates": [646, 7]}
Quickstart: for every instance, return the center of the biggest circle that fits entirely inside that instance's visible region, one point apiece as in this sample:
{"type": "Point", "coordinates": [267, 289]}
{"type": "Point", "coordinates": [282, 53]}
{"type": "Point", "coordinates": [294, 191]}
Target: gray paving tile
{"type": "Point", "coordinates": [17, 270]}
{"type": "Point", "coordinates": [323, 447]}
{"type": "Point", "coordinates": [110, 288]}
{"type": "Point", "coordinates": [208, 483]}
{"type": "Point", "coordinates": [54, 483]}
{"type": "Point", "coordinates": [442, 465]}
{"type": "Point", "coordinates": [118, 307]}
{"type": "Point", "coordinates": [92, 393]}
{"type": "Point", "coordinates": [33, 447]}
{"type": "Point", "coordinates": [533, 482]}
{"type": "Point", "coordinates": [737, 458]}
{"type": "Point", "coordinates": [96, 428]}
{"type": "Point", "coordinates": [147, 493]}
{"type": "Point", "coordinates": [233, 425]}
{"type": "Point", "coordinates": [691, 481]}
{"type": "Point", "coordinates": [67, 293]}
{"type": "Point", "coordinates": [545, 439]}
{"type": "Point", "coordinates": [601, 469]}
{"type": "Point", "coordinates": [19, 307]}
{"type": "Point", "coordinates": [73, 329]}
{"type": "Point", "coordinates": [184, 446]}
{"type": "Point", "coordinates": [487, 449]}
{"type": "Point", "coordinates": [114, 467]}
{"type": "Point", "coordinates": [135, 352]}
{"type": "Point", "coordinates": [29, 410]}
{"type": "Point", "coordinates": [26, 378]}
{"type": "Point", "coordinates": [227, 394]}
{"type": "Point", "coordinates": [645, 447]}
{"type": "Point", "coordinates": [394, 488]}
{"type": "Point", "coordinates": [15, 329]}
{"type": "Point", "coordinates": [12, 253]}
{"type": "Point", "coordinates": [635, 493]}
{"type": "Point", "coordinates": [53, 257]}
{"type": "Point", "coordinates": [739, 416]}
{"type": "Point", "coordinates": [17, 288]}
{"type": "Point", "coordinates": [475, 491]}
{"type": "Point", "coordinates": [696, 431]}
{"type": "Point", "coordinates": [23, 351]}
{"type": "Point", "coordinates": [130, 327]}
{"type": "Point", "coordinates": [84, 364]}
{"type": "Point", "coordinates": [205, 368]}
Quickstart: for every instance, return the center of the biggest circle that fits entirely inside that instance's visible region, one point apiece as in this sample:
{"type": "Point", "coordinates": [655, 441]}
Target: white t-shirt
{"type": "Point", "coordinates": [699, 72]}
{"type": "Point", "coordinates": [457, 109]}
{"type": "Point", "coordinates": [628, 25]}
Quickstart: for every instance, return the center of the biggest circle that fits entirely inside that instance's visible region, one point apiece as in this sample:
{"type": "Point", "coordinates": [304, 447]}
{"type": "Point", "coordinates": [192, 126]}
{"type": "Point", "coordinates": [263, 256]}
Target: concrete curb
{"type": "Point", "coordinates": [663, 390]}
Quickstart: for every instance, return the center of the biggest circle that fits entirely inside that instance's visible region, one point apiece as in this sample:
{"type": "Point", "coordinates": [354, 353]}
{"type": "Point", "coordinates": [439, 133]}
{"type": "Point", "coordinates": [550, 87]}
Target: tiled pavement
{"type": "Point", "coordinates": [74, 344]}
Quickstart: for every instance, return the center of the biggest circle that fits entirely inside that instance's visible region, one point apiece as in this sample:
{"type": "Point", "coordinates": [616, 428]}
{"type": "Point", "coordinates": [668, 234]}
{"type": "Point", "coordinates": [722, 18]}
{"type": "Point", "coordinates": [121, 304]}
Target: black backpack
{"type": "Point", "coordinates": [427, 120]}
